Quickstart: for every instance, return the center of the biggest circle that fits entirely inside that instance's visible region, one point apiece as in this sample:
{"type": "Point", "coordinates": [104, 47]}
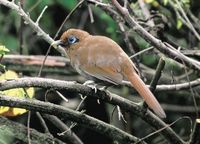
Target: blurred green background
{"type": "Point", "coordinates": [171, 30]}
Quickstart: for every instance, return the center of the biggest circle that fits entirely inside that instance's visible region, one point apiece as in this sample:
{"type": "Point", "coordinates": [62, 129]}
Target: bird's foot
{"type": "Point", "coordinates": [104, 88]}
{"type": "Point", "coordinates": [88, 82]}
{"type": "Point", "coordinates": [91, 84]}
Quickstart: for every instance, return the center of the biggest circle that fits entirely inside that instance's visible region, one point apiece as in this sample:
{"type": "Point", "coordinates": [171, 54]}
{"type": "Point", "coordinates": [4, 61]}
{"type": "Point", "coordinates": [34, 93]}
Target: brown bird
{"type": "Point", "coordinates": [100, 58]}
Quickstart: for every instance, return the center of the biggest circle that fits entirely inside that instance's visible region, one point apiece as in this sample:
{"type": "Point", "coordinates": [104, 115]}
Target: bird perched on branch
{"type": "Point", "coordinates": [100, 58]}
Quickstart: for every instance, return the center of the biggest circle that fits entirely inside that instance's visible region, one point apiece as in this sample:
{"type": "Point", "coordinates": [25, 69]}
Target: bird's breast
{"type": "Point", "coordinates": [78, 63]}
{"type": "Point", "coordinates": [77, 67]}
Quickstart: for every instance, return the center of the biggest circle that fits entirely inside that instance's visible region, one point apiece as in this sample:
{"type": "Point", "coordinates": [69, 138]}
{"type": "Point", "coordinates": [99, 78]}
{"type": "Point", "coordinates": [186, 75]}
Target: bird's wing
{"type": "Point", "coordinates": [102, 58]}
{"type": "Point", "coordinates": [108, 74]}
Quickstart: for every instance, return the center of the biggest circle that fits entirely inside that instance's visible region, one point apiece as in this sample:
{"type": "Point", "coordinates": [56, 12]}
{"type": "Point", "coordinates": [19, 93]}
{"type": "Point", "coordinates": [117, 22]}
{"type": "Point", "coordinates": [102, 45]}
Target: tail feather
{"type": "Point", "coordinates": [144, 91]}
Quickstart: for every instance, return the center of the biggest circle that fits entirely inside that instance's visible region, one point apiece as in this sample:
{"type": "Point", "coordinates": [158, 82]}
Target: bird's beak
{"type": "Point", "coordinates": [57, 45]}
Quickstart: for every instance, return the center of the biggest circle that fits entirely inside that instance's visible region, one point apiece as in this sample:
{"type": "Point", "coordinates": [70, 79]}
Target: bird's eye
{"type": "Point", "coordinates": [72, 39]}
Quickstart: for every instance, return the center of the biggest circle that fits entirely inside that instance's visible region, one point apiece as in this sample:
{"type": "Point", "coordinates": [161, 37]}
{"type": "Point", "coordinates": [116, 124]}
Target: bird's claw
{"type": "Point", "coordinates": [88, 82]}
{"type": "Point", "coordinates": [93, 87]}
{"type": "Point", "coordinates": [98, 101]}
{"type": "Point", "coordinates": [104, 88]}
{"type": "Point", "coordinates": [91, 84]}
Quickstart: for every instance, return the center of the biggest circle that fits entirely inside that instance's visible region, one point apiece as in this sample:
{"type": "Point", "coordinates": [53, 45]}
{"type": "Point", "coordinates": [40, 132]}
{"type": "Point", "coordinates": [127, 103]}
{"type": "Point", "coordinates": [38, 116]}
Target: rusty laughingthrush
{"type": "Point", "coordinates": [100, 58]}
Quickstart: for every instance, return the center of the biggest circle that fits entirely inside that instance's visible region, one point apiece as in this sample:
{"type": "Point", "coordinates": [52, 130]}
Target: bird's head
{"type": "Point", "coordinates": [71, 39]}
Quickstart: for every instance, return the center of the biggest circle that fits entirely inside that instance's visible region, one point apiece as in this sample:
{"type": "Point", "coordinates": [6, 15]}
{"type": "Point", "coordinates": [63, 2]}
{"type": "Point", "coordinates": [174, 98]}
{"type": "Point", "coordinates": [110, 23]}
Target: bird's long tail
{"type": "Point", "coordinates": [144, 91]}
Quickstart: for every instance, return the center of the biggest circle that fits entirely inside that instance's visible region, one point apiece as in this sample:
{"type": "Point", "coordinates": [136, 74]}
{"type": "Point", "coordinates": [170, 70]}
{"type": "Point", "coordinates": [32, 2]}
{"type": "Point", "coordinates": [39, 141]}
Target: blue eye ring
{"type": "Point", "coordinates": [72, 39]}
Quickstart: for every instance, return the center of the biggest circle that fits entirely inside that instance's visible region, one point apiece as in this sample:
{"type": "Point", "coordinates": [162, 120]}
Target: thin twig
{"type": "Point", "coordinates": [74, 123]}
{"type": "Point", "coordinates": [141, 52]}
{"type": "Point", "coordinates": [169, 125]}
{"type": "Point", "coordinates": [34, 6]}
{"type": "Point", "coordinates": [61, 26]}
{"type": "Point", "coordinates": [28, 127]}
{"type": "Point", "coordinates": [194, 18]}
{"type": "Point", "coordinates": [31, 23]}
{"type": "Point", "coordinates": [187, 19]}
{"type": "Point", "coordinates": [21, 30]}
{"type": "Point", "coordinates": [192, 92]}
{"type": "Point", "coordinates": [40, 16]}
{"type": "Point", "coordinates": [180, 108]}
{"type": "Point", "coordinates": [70, 137]}
{"type": "Point", "coordinates": [163, 47]}
{"type": "Point", "coordinates": [46, 129]}
{"type": "Point", "coordinates": [63, 97]}
{"type": "Point", "coordinates": [90, 13]}
{"type": "Point", "coordinates": [146, 13]}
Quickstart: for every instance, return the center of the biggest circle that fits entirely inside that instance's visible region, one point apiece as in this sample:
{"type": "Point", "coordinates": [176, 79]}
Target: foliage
{"type": "Point", "coordinates": [3, 50]}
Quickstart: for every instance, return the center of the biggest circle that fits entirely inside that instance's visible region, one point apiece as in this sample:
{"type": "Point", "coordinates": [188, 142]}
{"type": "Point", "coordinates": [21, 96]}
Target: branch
{"type": "Point", "coordinates": [61, 62]}
{"type": "Point", "coordinates": [146, 13]}
{"type": "Point", "coordinates": [172, 87]}
{"type": "Point", "coordinates": [83, 119]}
{"type": "Point", "coordinates": [180, 108]}
{"type": "Point", "coordinates": [190, 26]}
{"type": "Point", "coordinates": [31, 23]}
{"type": "Point", "coordinates": [165, 48]}
{"type": "Point", "coordinates": [162, 47]}
{"type": "Point", "coordinates": [19, 131]}
{"type": "Point", "coordinates": [51, 61]}
{"type": "Point", "coordinates": [70, 136]}
{"type": "Point", "coordinates": [157, 75]}
{"type": "Point", "coordinates": [32, 63]}
{"type": "Point", "coordinates": [125, 104]}
{"type": "Point", "coordinates": [195, 53]}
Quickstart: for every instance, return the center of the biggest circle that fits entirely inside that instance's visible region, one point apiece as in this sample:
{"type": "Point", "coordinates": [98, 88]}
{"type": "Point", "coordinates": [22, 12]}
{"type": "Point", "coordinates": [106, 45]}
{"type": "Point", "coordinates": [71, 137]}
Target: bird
{"type": "Point", "coordinates": [100, 58]}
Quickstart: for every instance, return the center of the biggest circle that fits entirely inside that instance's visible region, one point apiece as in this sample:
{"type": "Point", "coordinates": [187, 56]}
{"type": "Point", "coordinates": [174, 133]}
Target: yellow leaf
{"type": "Point", "coordinates": [9, 75]}
{"type": "Point", "coordinates": [30, 92]}
{"type": "Point", "coordinates": [18, 92]}
{"type": "Point", "coordinates": [13, 111]}
{"type": "Point", "coordinates": [149, 1]}
{"type": "Point", "coordinates": [3, 109]}
{"type": "Point", "coordinates": [18, 111]}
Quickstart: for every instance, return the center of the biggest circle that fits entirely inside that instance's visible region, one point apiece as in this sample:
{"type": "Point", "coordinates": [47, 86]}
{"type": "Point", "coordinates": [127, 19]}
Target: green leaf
{"type": "Point", "coordinates": [165, 2]}
{"type": "Point", "coordinates": [3, 50]}
{"type": "Point", "coordinates": [150, 60]}
{"type": "Point", "coordinates": [179, 24]}
{"type": "Point", "coordinates": [186, 1]}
